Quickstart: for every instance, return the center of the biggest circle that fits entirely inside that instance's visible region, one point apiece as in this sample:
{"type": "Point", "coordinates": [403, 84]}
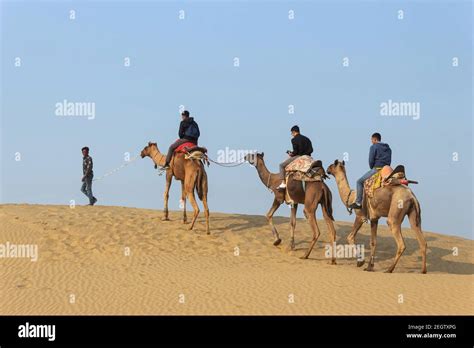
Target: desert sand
{"type": "Point", "coordinates": [116, 260]}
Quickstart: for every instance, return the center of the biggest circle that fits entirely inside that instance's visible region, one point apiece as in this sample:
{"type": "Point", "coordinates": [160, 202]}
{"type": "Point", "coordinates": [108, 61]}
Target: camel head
{"type": "Point", "coordinates": [147, 149]}
{"type": "Point", "coordinates": [253, 158]}
{"type": "Point", "coordinates": [336, 167]}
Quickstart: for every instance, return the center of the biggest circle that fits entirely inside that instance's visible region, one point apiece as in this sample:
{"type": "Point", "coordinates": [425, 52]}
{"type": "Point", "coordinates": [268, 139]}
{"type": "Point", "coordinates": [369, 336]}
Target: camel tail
{"type": "Point", "coordinates": [418, 211]}
{"type": "Point", "coordinates": [199, 181]}
{"type": "Point", "coordinates": [327, 201]}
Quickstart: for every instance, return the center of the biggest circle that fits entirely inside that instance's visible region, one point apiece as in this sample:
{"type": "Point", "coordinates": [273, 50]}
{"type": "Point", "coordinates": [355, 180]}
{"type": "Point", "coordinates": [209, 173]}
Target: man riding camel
{"type": "Point", "coordinates": [301, 146]}
{"type": "Point", "coordinates": [380, 155]}
{"type": "Point", "coordinates": [188, 132]}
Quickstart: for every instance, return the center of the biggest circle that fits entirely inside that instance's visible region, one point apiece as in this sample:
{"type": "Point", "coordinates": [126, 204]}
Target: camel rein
{"type": "Point", "coordinates": [347, 202]}
{"type": "Point", "coordinates": [236, 164]}
{"type": "Point", "coordinates": [161, 157]}
{"type": "Point", "coordinates": [160, 170]}
{"type": "Point", "coordinates": [227, 164]}
{"type": "Point", "coordinates": [117, 169]}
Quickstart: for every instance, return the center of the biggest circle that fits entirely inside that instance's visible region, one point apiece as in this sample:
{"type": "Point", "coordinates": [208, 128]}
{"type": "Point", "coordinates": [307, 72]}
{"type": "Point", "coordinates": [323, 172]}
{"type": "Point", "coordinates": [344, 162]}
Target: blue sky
{"type": "Point", "coordinates": [190, 62]}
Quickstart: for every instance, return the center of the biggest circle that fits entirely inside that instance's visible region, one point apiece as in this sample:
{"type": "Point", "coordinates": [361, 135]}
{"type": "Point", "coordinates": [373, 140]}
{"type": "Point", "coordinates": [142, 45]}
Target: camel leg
{"type": "Point", "coordinates": [373, 244]}
{"type": "Point", "coordinates": [183, 199]}
{"type": "Point", "coordinates": [314, 228]}
{"type": "Point", "coordinates": [332, 234]}
{"type": "Point", "coordinates": [206, 212]}
{"type": "Point", "coordinates": [169, 178]}
{"type": "Point", "coordinates": [396, 229]}
{"type": "Point", "coordinates": [420, 237]}
{"type": "Point", "coordinates": [304, 213]}
{"type": "Point", "coordinates": [351, 237]}
{"type": "Point", "coordinates": [189, 182]}
{"type": "Point", "coordinates": [270, 213]}
{"type": "Point", "coordinates": [204, 200]}
{"type": "Point", "coordinates": [294, 209]}
{"type": "Point", "coordinates": [195, 206]}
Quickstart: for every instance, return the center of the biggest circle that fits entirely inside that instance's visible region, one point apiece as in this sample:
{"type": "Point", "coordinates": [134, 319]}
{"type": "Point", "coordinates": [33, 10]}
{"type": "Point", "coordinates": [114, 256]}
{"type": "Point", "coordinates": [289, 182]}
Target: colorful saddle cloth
{"type": "Point", "coordinates": [184, 148]}
{"type": "Point", "coordinates": [301, 164]}
{"type": "Point", "coordinates": [377, 180]}
{"type": "Point", "coordinates": [305, 168]}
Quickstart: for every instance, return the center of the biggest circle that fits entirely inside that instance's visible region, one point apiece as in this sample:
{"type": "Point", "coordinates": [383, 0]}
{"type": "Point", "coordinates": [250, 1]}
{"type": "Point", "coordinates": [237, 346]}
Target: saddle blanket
{"type": "Point", "coordinates": [301, 164]}
{"type": "Point", "coordinates": [183, 148]}
{"type": "Point", "coordinates": [377, 180]}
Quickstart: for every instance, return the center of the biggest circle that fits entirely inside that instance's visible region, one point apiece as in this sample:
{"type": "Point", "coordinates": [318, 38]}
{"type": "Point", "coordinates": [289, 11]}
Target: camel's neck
{"type": "Point", "coordinates": [263, 172]}
{"type": "Point", "coordinates": [343, 186]}
{"type": "Point", "coordinates": [157, 157]}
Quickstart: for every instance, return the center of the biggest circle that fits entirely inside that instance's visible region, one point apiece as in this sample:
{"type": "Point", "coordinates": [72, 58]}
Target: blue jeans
{"type": "Point", "coordinates": [360, 184]}
{"type": "Point", "coordinates": [87, 188]}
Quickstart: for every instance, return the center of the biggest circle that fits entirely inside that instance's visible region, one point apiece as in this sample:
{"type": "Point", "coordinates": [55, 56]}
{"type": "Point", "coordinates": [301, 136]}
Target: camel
{"type": "Point", "coordinates": [392, 202]}
{"type": "Point", "coordinates": [192, 175]}
{"type": "Point", "coordinates": [314, 193]}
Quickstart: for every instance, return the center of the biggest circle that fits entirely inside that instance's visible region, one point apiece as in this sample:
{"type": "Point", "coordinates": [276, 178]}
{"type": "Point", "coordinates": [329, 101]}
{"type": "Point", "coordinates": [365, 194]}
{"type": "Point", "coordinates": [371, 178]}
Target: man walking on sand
{"type": "Point", "coordinates": [87, 176]}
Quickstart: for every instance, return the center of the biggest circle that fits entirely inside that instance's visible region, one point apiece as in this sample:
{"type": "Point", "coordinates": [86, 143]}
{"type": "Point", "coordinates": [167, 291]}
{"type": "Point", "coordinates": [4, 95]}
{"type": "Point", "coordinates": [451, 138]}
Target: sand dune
{"type": "Point", "coordinates": [83, 267]}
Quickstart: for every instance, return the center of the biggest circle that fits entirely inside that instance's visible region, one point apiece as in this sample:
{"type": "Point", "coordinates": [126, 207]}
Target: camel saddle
{"type": "Point", "coordinates": [193, 152]}
{"type": "Point", "coordinates": [189, 147]}
{"type": "Point", "coordinates": [305, 168]}
{"type": "Point", "coordinates": [385, 176]}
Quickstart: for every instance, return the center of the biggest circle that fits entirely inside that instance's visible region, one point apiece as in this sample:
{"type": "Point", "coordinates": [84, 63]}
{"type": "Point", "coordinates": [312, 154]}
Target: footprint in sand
{"type": "Point", "coordinates": [23, 283]}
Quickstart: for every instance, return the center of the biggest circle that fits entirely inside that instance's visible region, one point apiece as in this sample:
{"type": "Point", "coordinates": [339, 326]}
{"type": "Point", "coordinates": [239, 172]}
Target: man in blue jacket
{"type": "Point", "coordinates": [188, 132]}
{"type": "Point", "coordinates": [380, 155]}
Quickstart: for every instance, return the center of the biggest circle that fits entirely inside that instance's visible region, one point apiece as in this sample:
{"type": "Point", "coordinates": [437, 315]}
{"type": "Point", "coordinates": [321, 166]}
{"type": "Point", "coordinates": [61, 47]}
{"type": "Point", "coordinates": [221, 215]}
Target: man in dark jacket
{"type": "Point", "coordinates": [380, 155]}
{"type": "Point", "coordinates": [301, 146]}
{"type": "Point", "coordinates": [188, 132]}
{"type": "Point", "coordinates": [87, 175]}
